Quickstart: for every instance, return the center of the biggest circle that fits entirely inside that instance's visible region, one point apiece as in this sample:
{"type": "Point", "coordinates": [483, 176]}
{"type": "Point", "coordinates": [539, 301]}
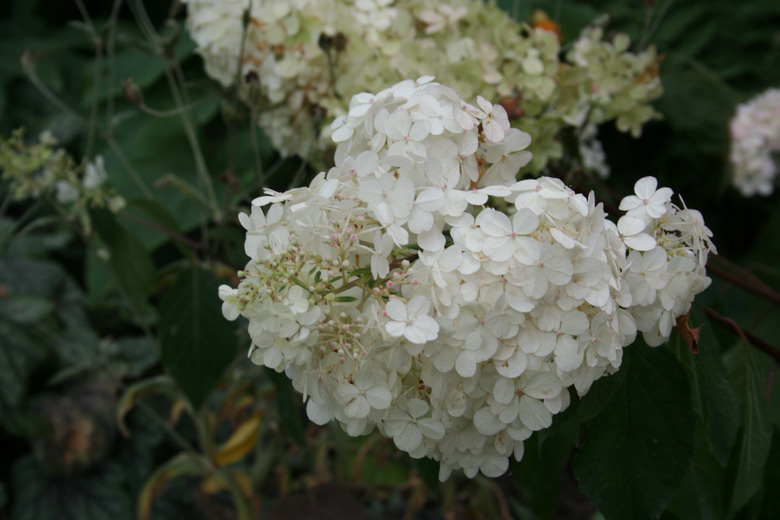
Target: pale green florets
{"type": "Point", "coordinates": [303, 60]}
{"type": "Point", "coordinates": [41, 170]}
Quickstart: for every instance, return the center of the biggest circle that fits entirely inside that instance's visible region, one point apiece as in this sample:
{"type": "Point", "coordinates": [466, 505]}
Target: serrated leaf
{"type": "Point", "coordinates": [714, 399]}
{"type": "Point", "coordinates": [197, 342]}
{"type": "Point", "coordinates": [638, 448]}
{"type": "Point", "coordinates": [752, 448]}
{"type": "Point", "coordinates": [97, 494]}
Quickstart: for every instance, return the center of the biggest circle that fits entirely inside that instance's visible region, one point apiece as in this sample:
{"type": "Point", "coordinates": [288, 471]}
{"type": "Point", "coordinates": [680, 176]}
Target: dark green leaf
{"type": "Point", "coordinates": [77, 346]}
{"type": "Point", "coordinates": [714, 400]}
{"type": "Point", "coordinates": [141, 67]}
{"type": "Point", "coordinates": [131, 357]}
{"type": "Point", "coordinates": [637, 449]}
{"type": "Point", "coordinates": [157, 212]}
{"type": "Point", "coordinates": [129, 262]}
{"type": "Point", "coordinates": [39, 244]}
{"type": "Point", "coordinates": [548, 452]}
{"type": "Point", "coordinates": [288, 403]}
{"type": "Point", "coordinates": [21, 350]}
{"type": "Point", "coordinates": [700, 495]}
{"type": "Point", "coordinates": [752, 449]}
{"type": "Point", "coordinates": [25, 309]}
{"type": "Point", "coordinates": [197, 341]}
{"type": "Point", "coordinates": [600, 395]}
{"type": "Point", "coordinates": [138, 453]}
{"type": "Point", "coordinates": [771, 501]}
{"type": "Point", "coordinates": [96, 495]}
{"type": "Point", "coordinates": [22, 276]}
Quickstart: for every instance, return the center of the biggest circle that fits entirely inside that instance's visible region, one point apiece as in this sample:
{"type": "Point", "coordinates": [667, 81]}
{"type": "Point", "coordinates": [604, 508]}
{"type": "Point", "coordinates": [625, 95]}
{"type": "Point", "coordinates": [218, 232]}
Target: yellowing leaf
{"type": "Point", "coordinates": [189, 464]}
{"type": "Point", "coordinates": [241, 442]}
{"type": "Point", "coordinates": [216, 483]}
{"type": "Point", "coordinates": [156, 385]}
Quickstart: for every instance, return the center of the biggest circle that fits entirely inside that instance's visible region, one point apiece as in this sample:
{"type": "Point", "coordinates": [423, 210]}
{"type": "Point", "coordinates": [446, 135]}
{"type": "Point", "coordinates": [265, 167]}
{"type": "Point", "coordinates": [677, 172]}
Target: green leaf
{"type": "Point", "coordinates": [142, 67]}
{"type": "Point", "coordinates": [700, 495]}
{"type": "Point", "coordinates": [752, 449]}
{"type": "Point", "coordinates": [138, 453]}
{"type": "Point", "coordinates": [21, 350]}
{"type": "Point", "coordinates": [130, 263]}
{"type": "Point", "coordinates": [96, 495]}
{"type": "Point", "coordinates": [637, 450]}
{"type": "Point", "coordinates": [714, 399]}
{"type": "Point", "coordinates": [197, 342]}
{"type": "Point", "coordinates": [25, 309]}
{"type": "Point", "coordinates": [131, 357]}
{"type": "Point", "coordinates": [289, 405]}
{"type": "Point", "coordinates": [77, 347]}
{"type": "Point", "coordinates": [160, 216]}
{"type": "Point", "coordinates": [158, 213]}
{"type": "Point", "coordinates": [771, 501]}
{"type": "Point", "coordinates": [600, 395]}
{"type": "Point", "coordinates": [548, 452]}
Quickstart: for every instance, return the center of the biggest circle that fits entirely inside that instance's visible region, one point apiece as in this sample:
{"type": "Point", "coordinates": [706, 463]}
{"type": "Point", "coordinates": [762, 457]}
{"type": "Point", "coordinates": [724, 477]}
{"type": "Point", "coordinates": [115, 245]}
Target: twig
{"type": "Point", "coordinates": [748, 336]}
{"type": "Point", "coordinates": [162, 229]}
{"type": "Point", "coordinates": [742, 278]}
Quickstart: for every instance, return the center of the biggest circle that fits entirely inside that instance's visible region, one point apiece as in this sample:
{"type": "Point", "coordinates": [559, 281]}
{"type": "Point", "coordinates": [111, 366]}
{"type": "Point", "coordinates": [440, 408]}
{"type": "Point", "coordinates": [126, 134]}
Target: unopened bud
{"type": "Point", "coordinates": [132, 92]}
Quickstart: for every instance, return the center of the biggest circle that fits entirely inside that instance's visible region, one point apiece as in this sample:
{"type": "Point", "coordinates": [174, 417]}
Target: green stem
{"type": "Point", "coordinates": [174, 76]}
{"type": "Point", "coordinates": [94, 108]}
{"type": "Point", "coordinates": [110, 49]}
{"type": "Point", "coordinates": [244, 510]}
{"type": "Point", "coordinates": [175, 436]}
{"type": "Point", "coordinates": [62, 106]}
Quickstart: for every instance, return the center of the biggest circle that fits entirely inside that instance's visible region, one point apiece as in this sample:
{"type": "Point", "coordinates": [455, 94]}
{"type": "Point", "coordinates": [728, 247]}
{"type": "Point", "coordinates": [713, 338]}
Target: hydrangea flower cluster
{"type": "Point", "coordinates": [301, 61]}
{"type": "Point", "coordinates": [755, 143]}
{"type": "Point", "coordinates": [417, 288]}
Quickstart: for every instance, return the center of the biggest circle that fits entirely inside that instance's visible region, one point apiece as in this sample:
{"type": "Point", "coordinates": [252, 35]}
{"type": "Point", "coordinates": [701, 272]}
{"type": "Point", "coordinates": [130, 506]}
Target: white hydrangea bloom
{"type": "Point", "coordinates": [755, 143]}
{"type": "Point", "coordinates": [447, 307]}
{"type": "Point", "coordinates": [303, 60]}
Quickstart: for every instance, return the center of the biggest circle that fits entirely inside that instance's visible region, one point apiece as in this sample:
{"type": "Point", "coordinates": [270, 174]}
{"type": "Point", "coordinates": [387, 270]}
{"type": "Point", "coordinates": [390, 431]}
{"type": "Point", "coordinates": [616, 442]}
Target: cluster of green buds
{"type": "Point", "coordinates": [42, 170]}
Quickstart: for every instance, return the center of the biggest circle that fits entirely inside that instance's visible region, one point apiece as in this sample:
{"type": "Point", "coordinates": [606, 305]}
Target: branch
{"type": "Point", "coordinates": [162, 229]}
{"type": "Point", "coordinates": [743, 278]}
{"type": "Point", "coordinates": [749, 337]}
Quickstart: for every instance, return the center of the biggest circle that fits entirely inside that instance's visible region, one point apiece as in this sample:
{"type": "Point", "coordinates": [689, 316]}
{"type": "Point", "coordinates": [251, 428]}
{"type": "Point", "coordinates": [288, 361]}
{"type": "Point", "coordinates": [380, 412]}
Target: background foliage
{"type": "Point", "coordinates": [124, 393]}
